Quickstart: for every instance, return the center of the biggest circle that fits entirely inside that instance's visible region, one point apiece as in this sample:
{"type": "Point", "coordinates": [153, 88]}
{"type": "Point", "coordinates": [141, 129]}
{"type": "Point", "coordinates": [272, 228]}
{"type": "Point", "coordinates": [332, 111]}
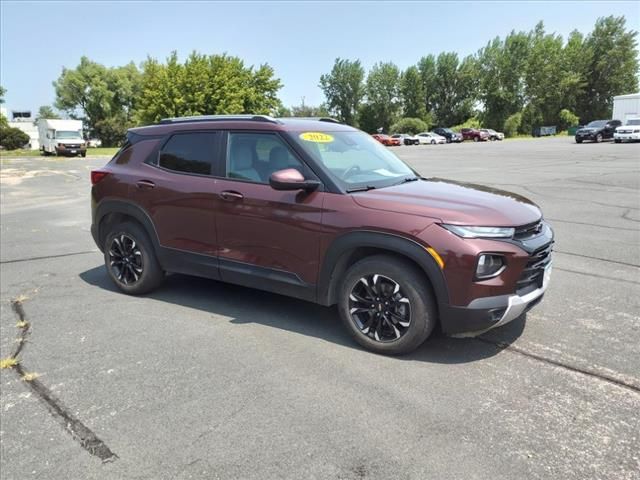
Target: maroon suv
{"type": "Point", "coordinates": [474, 134]}
{"type": "Point", "coordinates": [321, 211]}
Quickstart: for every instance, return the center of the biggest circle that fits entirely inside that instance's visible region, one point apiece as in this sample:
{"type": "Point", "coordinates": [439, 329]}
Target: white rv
{"type": "Point", "coordinates": [61, 137]}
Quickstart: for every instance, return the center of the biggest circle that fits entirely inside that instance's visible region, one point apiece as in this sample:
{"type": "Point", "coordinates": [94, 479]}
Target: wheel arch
{"type": "Point", "coordinates": [112, 212]}
{"type": "Point", "coordinates": [347, 249]}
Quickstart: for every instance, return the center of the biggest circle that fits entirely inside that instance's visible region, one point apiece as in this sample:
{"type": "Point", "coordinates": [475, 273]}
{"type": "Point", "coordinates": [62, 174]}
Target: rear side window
{"type": "Point", "coordinates": [190, 152]}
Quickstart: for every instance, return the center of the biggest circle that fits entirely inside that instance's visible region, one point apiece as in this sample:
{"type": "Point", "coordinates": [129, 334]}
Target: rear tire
{"type": "Point", "coordinates": [130, 259]}
{"type": "Point", "coordinates": [398, 310]}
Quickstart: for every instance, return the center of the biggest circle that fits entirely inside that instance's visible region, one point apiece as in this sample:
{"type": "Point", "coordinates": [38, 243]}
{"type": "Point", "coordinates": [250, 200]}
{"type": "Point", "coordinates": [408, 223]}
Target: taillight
{"type": "Point", "coordinates": [97, 175]}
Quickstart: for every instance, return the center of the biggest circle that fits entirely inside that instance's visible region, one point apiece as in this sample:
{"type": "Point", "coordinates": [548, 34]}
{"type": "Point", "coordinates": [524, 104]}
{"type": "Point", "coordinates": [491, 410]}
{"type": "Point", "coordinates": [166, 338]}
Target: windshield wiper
{"type": "Point", "coordinates": [408, 179]}
{"type": "Point", "coordinates": [363, 188]}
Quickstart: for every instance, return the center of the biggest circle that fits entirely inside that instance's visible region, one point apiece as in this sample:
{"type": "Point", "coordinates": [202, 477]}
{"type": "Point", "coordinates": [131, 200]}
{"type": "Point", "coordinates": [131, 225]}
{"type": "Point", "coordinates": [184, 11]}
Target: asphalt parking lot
{"type": "Point", "coordinates": [202, 380]}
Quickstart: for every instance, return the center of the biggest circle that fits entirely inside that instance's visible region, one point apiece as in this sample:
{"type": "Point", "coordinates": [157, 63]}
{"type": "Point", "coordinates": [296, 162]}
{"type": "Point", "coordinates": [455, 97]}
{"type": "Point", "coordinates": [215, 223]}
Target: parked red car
{"type": "Point", "coordinates": [317, 210]}
{"type": "Point", "coordinates": [474, 134]}
{"type": "Point", "coordinates": [387, 140]}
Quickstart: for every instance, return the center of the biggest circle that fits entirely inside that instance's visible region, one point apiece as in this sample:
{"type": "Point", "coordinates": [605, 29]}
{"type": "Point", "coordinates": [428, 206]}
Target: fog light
{"type": "Point", "coordinates": [489, 265]}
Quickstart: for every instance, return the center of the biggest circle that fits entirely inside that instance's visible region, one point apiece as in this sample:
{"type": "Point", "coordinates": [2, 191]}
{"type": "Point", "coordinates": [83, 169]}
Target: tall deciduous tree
{"type": "Point", "coordinates": [344, 89]}
{"type": "Point", "coordinates": [382, 94]}
{"type": "Point", "coordinates": [102, 97]}
{"type": "Point", "coordinates": [613, 67]}
{"type": "Point", "coordinates": [214, 84]}
{"type": "Point", "coordinates": [412, 93]}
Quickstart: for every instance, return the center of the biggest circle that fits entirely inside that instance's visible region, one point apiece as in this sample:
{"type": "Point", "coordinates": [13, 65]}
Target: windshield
{"type": "Point", "coordinates": [635, 121]}
{"type": "Point", "coordinates": [354, 159]}
{"type": "Point", "coordinates": [597, 123]}
{"type": "Point", "coordinates": [68, 134]}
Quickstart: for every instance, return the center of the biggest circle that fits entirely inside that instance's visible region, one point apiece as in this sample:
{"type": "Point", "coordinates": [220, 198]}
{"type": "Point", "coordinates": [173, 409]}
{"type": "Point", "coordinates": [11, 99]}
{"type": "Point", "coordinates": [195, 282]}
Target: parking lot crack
{"type": "Point", "coordinates": [549, 361]}
{"type": "Point", "coordinates": [45, 257]}
{"type": "Point", "coordinates": [74, 426]}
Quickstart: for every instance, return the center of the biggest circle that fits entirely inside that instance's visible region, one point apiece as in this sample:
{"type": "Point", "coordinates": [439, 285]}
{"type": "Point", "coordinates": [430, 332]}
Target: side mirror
{"type": "Point", "coordinates": [291, 179]}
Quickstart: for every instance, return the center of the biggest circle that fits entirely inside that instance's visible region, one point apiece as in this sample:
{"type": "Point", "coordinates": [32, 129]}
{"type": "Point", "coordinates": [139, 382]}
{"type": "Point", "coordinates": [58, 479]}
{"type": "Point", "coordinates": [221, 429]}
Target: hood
{"type": "Point", "coordinates": [453, 202]}
{"type": "Point", "coordinates": [588, 129]}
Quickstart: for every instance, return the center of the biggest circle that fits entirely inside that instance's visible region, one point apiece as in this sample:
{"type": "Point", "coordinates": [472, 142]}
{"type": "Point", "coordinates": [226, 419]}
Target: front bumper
{"type": "Point", "coordinates": [66, 150]}
{"type": "Point", "coordinates": [626, 137]}
{"type": "Point", "coordinates": [484, 314]}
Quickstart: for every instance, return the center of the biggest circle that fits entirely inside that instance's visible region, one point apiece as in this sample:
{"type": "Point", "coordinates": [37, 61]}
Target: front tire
{"type": "Point", "coordinates": [599, 138]}
{"type": "Point", "coordinates": [476, 139]}
{"type": "Point", "coordinates": [386, 305]}
{"type": "Point", "coordinates": [130, 259]}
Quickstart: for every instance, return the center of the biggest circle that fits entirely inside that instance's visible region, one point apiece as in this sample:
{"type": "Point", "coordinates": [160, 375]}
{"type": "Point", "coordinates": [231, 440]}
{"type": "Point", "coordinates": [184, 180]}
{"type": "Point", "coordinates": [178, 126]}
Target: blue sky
{"type": "Point", "coordinates": [300, 40]}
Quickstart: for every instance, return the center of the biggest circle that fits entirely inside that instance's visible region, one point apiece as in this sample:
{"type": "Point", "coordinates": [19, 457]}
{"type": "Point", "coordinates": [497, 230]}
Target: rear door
{"type": "Point", "coordinates": [177, 190]}
{"type": "Point", "coordinates": [267, 238]}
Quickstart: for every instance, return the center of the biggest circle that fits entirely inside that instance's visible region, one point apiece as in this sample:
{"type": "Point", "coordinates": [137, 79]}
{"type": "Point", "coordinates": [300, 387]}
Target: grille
{"type": "Point", "coordinates": [528, 231]}
{"type": "Point", "coordinates": [68, 145]}
{"type": "Point", "coordinates": [625, 131]}
{"type": "Point", "coordinates": [533, 273]}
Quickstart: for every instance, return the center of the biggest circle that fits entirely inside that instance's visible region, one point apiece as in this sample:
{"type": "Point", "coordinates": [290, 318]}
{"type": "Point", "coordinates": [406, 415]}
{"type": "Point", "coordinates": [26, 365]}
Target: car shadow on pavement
{"type": "Point", "coordinates": [246, 305]}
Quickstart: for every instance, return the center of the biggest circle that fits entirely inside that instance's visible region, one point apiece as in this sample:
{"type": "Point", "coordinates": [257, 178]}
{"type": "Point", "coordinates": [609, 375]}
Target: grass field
{"type": "Point", "coordinates": [92, 152]}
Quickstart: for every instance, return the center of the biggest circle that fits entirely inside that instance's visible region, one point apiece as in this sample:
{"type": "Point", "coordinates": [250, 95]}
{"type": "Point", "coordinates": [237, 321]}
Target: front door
{"type": "Point", "coordinates": [267, 238]}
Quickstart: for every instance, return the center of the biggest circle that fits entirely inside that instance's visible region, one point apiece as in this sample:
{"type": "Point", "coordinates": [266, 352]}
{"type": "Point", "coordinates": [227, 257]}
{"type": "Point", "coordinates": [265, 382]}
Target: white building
{"type": "Point", "coordinates": [25, 122]}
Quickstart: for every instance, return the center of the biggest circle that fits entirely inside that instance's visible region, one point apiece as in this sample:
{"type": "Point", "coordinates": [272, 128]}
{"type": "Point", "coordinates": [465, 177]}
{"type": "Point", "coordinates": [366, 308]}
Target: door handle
{"type": "Point", "coordinates": [231, 195]}
{"type": "Point", "coordinates": [145, 184]}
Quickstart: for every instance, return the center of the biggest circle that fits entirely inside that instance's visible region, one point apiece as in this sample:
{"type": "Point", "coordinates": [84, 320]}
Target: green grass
{"type": "Point", "coordinates": [91, 152]}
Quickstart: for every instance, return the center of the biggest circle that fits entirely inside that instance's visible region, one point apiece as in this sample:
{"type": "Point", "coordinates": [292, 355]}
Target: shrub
{"type": "Point", "coordinates": [12, 138]}
{"type": "Point", "coordinates": [473, 122]}
{"type": "Point", "coordinates": [512, 125]}
{"type": "Point", "coordinates": [568, 119]}
{"type": "Point", "coordinates": [409, 125]}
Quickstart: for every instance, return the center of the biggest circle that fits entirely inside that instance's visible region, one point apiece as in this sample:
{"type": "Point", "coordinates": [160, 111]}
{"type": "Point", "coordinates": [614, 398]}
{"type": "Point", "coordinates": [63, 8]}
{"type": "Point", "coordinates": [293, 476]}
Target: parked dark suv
{"type": "Point", "coordinates": [597, 131]}
{"type": "Point", "coordinates": [320, 211]}
{"type": "Point", "coordinates": [449, 134]}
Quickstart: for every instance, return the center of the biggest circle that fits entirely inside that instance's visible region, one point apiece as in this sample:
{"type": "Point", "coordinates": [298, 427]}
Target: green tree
{"type": "Point", "coordinates": [344, 89]}
{"type": "Point", "coordinates": [567, 119]}
{"type": "Point", "coordinates": [4, 122]}
{"type": "Point", "coordinates": [454, 88]}
{"type": "Point", "coordinates": [501, 64]}
{"type": "Point", "coordinates": [512, 124]}
{"type": "Point", "coordinates": [410, 126]}
{"type": "Point", "coordinates": [544, 79]}
{"type": "Point", "coordinates": [412, 93]}
{"type": "Point", "coordinates": [214, 84]}
{"type": "Point", "coordinates": [382, 97]}
{"type": "Point", "coordinates": [12, 138]}
{"type": "Point", "coordinates": [99, 95]}
{"type": "Point", "coordinates": [303, 110]}
{"type": "Point", "coordinates": [612, 69]}
{"type": "Point", "coordinates": [428, 74]}
{"type": "Point", "coordinates": [46, 111]}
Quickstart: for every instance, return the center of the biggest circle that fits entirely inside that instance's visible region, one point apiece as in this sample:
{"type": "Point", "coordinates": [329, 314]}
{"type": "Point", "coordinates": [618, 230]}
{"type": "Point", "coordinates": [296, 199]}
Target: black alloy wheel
{"type": "Point", "coordinates": [379, 308]}
{"type": "Point", "coordinates": [125, 259]}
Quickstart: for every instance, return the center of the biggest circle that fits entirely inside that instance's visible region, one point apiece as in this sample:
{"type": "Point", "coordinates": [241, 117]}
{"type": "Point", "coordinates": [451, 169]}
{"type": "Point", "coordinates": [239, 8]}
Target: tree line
{"type": "Point", "coordinates": [526, 79]}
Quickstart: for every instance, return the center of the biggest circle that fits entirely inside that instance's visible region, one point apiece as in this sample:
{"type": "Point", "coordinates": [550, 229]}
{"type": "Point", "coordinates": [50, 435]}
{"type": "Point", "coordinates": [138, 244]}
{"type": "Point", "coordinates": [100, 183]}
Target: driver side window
{"type": "Point", "coordinates": [253, 157]}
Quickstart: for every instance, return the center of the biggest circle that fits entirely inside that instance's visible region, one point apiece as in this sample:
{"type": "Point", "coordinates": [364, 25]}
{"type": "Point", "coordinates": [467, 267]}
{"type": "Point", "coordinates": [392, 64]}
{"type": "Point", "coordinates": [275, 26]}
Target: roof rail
{"type": "Point", "coordinates": [318, 119]}
{"type": "Point", "coordinates": [219, 118]}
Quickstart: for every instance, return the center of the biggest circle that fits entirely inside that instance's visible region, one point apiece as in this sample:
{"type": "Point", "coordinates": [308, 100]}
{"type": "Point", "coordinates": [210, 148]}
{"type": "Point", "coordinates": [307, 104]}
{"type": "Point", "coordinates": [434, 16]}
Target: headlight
{"type": "Point", "coordinates": [481, 232]}
{"type": "Point", "coordinates": [489, 265]}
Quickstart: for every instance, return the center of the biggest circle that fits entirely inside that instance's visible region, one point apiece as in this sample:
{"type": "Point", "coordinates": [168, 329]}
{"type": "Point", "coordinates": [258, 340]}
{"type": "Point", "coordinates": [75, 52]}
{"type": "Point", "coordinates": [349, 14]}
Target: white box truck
{"type": "Point", "coordinates": [626, 107]}
{"type": "Point", "coordinates": [61, 137]}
